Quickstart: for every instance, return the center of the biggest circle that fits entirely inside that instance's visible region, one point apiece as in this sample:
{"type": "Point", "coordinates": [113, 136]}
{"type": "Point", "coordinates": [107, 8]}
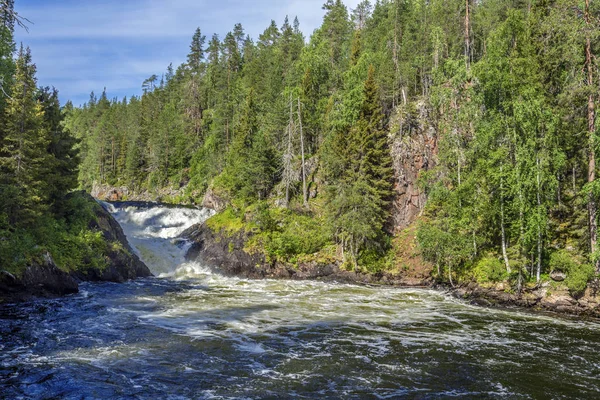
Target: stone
{"type": "Point", "coordinates": [558, 276]}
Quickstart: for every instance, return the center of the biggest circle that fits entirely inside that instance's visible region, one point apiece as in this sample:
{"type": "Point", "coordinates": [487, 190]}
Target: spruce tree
{"type": "Point", "coordinates": [361, 194]}
{"type": "Point", "coordinates": [196, 55]}
{"type": "Point", "coordinates": [23, 155]}
{"type": "Point", "coordinates": [61, 170]}
{"type": "Point", "coordinates": [377, 160]}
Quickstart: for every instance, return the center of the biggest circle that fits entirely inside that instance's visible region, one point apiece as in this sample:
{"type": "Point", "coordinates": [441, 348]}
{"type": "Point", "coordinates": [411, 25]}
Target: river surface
{"type": "Point", "coordinates": [191, 333]}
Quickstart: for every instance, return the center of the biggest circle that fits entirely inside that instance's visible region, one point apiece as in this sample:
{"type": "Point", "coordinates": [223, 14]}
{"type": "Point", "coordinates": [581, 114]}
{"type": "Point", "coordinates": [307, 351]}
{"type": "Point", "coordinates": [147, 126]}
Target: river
{"type": "Point", "coordinates": [192, 333]}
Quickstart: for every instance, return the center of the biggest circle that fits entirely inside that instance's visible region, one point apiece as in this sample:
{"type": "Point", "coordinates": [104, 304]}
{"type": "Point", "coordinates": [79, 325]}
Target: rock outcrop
{"type": "Point", "coordinates": [414, 150]}
{"type": "Point", "coordinates": [43, 278]}
{"type": "Point", "coordinates": [213, 201]}
{"type": "Point", "coordinates": [225, 254]}
{"type": "Point", "coordinates": [541, 298]}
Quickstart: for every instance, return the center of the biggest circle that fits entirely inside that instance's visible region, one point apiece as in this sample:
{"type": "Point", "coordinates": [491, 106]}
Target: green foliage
{"type": "Point", "coordinates": [373, 261]}
{"type": "Point", "coordinates": [296, 235]}
{"type": "Point", "coordinates": [502, 116]}
{"type": "Point", "coordinates": [359, 165]}
{"type": "Point", "coordinates": [489, 269]}
{"type": "Point", "coordinates": [578, 273]}
{"type": "Point", "coordinates": [227, 222]}
{"type": "Point", "coordinates": [73, 246]}
{"type": "Point", "coordinates": [564, 261]}
{"type": "Point", "coordinates": [579, 277]}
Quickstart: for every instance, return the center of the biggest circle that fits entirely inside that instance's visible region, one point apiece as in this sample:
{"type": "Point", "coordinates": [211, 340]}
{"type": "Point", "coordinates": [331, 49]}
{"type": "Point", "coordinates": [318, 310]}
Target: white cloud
{"type": "Point", "coordinates": [84, 45]}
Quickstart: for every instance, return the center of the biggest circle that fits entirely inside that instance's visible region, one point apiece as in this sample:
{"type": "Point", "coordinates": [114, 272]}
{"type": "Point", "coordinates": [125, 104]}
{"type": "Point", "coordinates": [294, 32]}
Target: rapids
{"type": "Point", "coordinates": [192, 333]}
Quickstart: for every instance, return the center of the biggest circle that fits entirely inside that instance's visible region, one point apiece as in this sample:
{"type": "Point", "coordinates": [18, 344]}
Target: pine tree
{"type": "Point", "coordinates": [23, 153]}
{"type": "Point", "coordinates": [61, 169]}
{"type": "Point", "coordinates": [196, 55]}
{"type": "Point", "coordinates": [360, 197]}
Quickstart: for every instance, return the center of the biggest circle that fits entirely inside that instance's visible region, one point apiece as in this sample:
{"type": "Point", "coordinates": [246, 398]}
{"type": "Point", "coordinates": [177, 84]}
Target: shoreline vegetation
{"type": "Point", "coordinates": [449, 142]}
{"type": "Point", "coordinates": [380, 143]}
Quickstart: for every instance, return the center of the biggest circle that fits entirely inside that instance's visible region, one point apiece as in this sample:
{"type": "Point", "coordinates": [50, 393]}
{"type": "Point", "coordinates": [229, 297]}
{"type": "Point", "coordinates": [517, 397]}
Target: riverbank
{"type": "Point", "coordinates": [105, 257]}
{"type": "Point", "coordinates": [230, 255]}
{"type": "Point", "coordinates": [547, 296]}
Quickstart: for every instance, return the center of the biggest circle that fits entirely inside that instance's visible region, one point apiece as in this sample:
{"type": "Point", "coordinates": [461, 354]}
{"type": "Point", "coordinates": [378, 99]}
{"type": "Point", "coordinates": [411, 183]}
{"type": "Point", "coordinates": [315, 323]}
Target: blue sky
{"type": "Point", "coordinates": [85, 45]}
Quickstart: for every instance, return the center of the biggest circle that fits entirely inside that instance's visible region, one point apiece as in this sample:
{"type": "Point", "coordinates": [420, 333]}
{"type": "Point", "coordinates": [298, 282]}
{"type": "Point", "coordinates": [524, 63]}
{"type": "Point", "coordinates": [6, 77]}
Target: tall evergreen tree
{"type": "Point", "coordinates": [361, 193]}
{"type": "Point", "coordinates": [196, 55]}
{"type": "Point", "coordinates": [61, 170]}
{"type": "Point", "coordinates": [23, 152]}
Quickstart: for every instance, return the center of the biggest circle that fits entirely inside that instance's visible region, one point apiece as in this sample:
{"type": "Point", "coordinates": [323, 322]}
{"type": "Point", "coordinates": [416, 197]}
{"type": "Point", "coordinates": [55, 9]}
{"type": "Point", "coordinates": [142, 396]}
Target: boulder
{"type": "Point", "coordinates": [41, 278]}
{"type": "Point", "coordinates": [213, 201]}
{"type": "Point", "coordinates": [558, 276]}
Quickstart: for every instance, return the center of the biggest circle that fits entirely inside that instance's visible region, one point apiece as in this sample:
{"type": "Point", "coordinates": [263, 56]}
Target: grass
{"type": "Point", "coordinates": [228, 222]}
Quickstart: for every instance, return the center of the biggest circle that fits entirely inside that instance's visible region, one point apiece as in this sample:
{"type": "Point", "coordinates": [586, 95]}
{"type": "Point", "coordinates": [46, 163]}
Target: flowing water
{"type": "Point", "coordinates": [191, 333]}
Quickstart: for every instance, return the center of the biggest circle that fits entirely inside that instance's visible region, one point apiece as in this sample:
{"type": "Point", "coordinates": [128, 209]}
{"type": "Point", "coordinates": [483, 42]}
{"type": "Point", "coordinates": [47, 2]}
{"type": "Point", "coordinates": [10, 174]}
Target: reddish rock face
{"type": "Point", "coordinates": [109, 193]}
{"type": "Point", "coordinates": [115, 195]}
{"type": "Point", "coordinates": [414, 150]}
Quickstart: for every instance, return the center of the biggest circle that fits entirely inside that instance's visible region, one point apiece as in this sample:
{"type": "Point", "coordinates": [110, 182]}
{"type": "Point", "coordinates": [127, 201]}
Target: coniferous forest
{"type": "Point", "coordinates": [363, 211]}
{"type": "Point", "coordinates": [304, 141]}
{"type": "Point", "coordinates": [39, 160]}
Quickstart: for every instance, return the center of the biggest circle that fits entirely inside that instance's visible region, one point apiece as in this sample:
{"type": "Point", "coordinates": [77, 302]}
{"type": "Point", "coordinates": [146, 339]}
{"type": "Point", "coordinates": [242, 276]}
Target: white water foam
{"type": "Point", "coordinates": [154, 234]}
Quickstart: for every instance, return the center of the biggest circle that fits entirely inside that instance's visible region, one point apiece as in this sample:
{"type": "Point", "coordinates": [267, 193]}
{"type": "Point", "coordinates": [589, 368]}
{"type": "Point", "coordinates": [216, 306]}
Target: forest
{"type": "Point", "coordinates": [39, 159]}
{"type": "Point", "coordinates": [295, 137]}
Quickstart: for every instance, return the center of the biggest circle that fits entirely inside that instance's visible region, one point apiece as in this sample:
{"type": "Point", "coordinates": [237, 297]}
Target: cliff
{"type": "Point", "coordinates": [414, 150]}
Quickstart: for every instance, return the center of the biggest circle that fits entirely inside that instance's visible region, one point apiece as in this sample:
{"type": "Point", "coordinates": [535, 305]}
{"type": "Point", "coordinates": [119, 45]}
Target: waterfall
{"type": "Point", "coordinates": [154, 233]}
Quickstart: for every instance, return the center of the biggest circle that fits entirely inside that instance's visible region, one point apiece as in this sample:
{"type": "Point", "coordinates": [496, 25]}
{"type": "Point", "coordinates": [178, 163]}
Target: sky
{"type": "Point", "coordinates": [80, 46]}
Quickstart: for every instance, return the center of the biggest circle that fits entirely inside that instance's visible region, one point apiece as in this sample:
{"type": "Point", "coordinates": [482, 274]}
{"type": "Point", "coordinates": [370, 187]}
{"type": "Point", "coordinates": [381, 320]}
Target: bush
{"type": "Point", "coordinates": [264, 218]}
{"type": "Point", "coordinates": [297, 235]}
{"type": "Point", "coordinates": [490, 269]}
{"type": "Point", "coordinates": [578, 273]}
{"type": "Point", "coordinates": [563, 261]}
{"type": "Point", "coordinates": [227, 222]}
{"type": "Point", "coordinates": [578, 278]}
{"type": "Point", "coordinates": [375, 260]}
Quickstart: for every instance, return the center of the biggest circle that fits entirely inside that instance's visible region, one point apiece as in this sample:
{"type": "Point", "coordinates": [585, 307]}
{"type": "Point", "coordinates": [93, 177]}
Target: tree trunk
{"type": "Point", "coordinates": [592, 206]}
{"type": "Point", "coordinates": [467, 35]}
{"type": "Point", "coordinates": [304, 187]}
{"type": "Point", "coordinates": [503, 229]}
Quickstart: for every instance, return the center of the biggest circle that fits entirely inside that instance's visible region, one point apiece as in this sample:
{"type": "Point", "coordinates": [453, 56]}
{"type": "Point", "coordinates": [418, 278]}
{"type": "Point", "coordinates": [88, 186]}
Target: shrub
{"type": "Point", "coordinates": [227, 222]}
{"type": "Point", "coordinates": [578, 278]}
{"type": "Point", "coordinates": [578, 273]}
{"type": "Point", "coordinates": [490, 269]}
{"type": "Point", "coordinates": [297, 235]}
{"type": "Point", "coordinates": [375, 260]}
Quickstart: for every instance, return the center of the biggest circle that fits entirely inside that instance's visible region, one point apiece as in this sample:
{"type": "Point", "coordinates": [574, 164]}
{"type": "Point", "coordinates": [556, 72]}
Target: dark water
{"type": "Point", "coordinates": [195, 334]}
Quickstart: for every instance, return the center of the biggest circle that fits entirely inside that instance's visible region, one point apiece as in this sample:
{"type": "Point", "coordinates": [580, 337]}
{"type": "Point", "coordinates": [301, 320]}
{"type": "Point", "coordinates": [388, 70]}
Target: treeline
{"type": "Point", "coordinates": [510, 87]}
{"type": "Point", "coordinates": [38, 167]}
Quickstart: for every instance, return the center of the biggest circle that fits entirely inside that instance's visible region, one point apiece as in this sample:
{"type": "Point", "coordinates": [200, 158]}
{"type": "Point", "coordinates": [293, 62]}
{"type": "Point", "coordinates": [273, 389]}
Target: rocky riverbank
{"type": "Point", "coordinates": [226, 254]}
{"type": "Point", "coordinates": [544, 297]}
{"type": "Point", "coordinates": [43, 278]}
